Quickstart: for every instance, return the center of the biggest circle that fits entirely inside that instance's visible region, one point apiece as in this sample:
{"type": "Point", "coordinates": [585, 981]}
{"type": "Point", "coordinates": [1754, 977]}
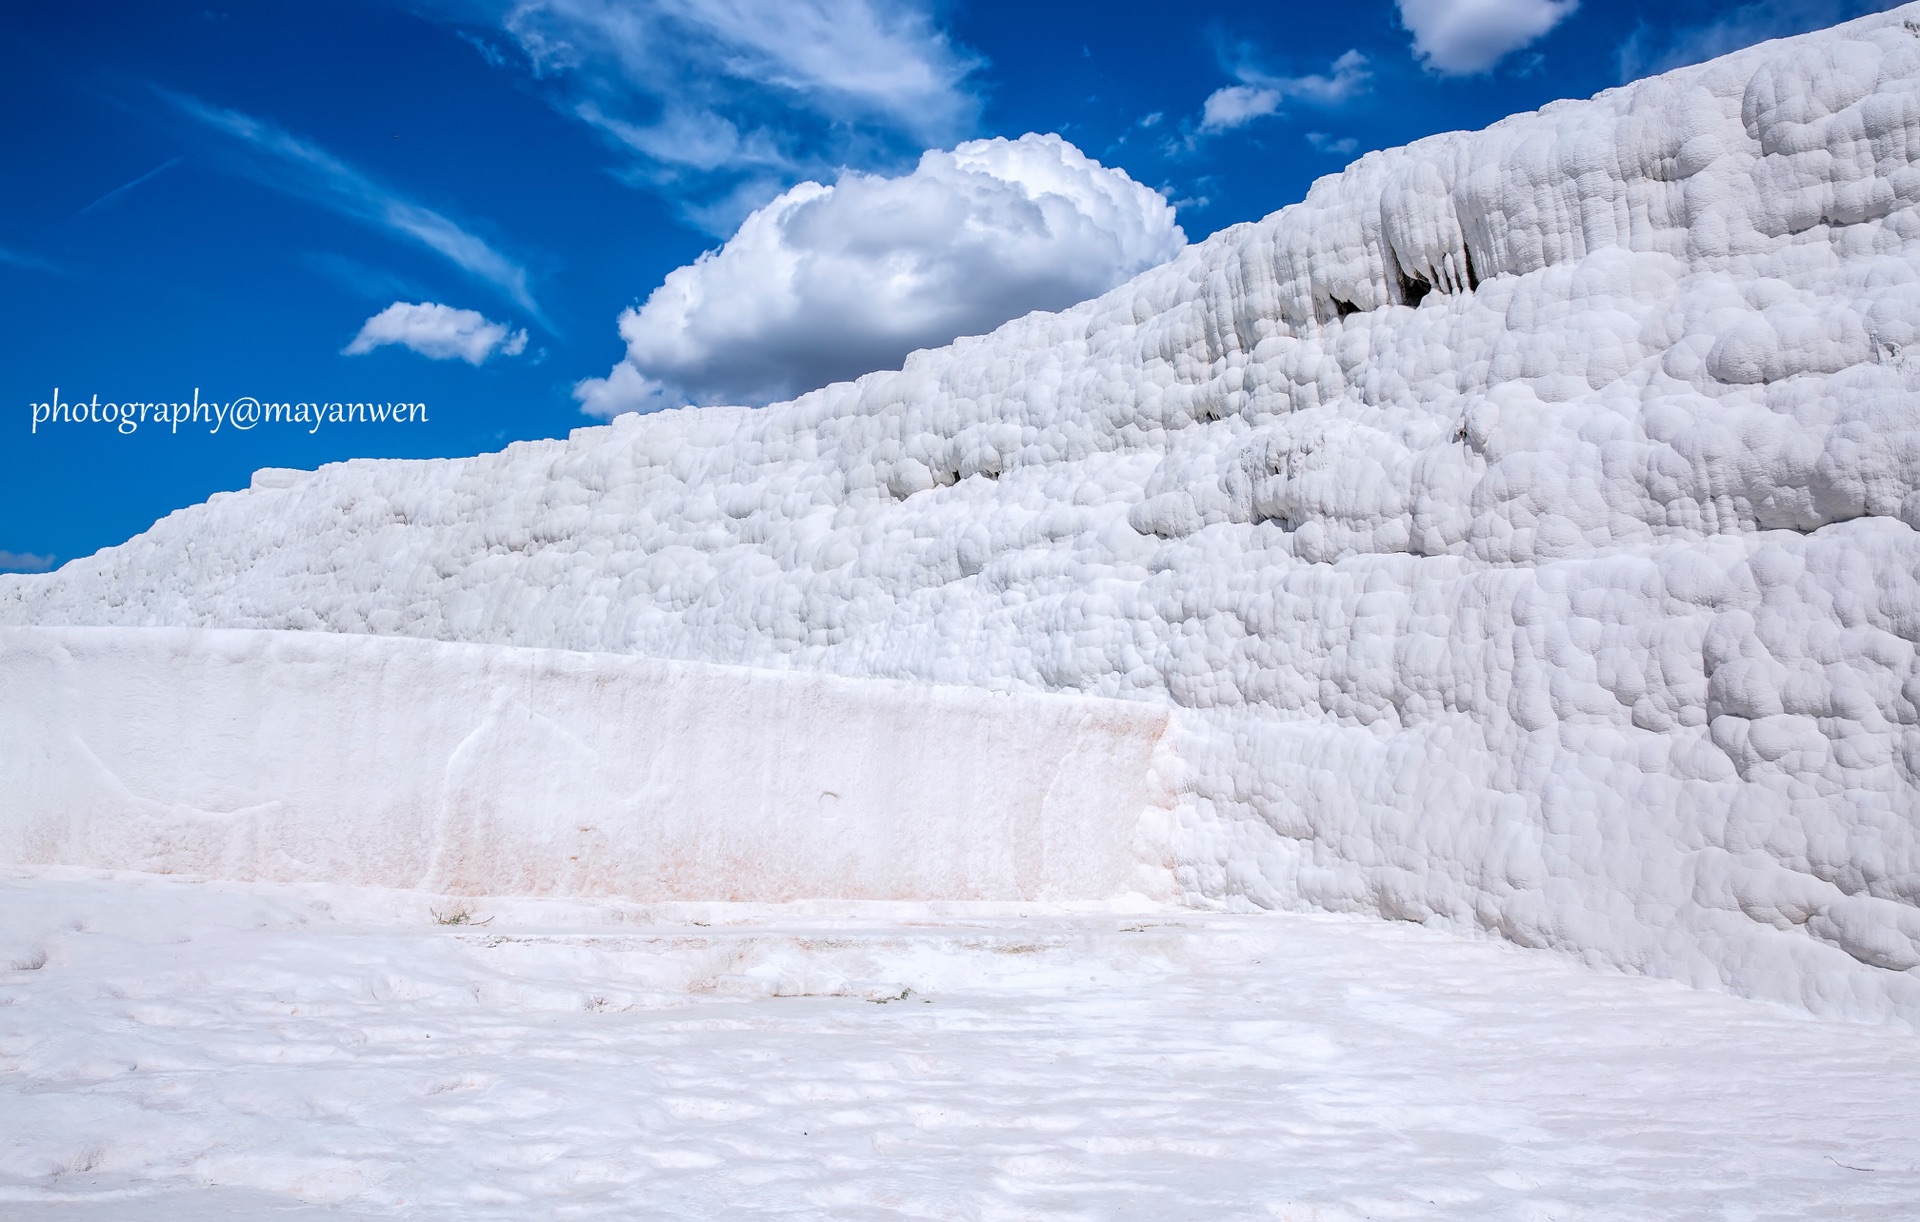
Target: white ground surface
{"type": "Point", "coordinates": [172, 1049]}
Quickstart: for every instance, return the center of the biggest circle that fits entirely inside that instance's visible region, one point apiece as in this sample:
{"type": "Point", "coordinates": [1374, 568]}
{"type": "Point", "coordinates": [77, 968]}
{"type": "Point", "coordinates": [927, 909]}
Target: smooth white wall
{"type": "Point", "coordinates": [486, 769]}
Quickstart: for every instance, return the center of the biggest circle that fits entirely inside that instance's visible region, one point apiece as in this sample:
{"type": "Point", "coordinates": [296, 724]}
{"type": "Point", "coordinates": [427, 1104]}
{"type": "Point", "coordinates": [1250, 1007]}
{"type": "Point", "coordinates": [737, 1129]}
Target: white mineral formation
{"type": "Point", "coordinates": [1523, 526]}
{"type": "Point", "coordinates": [481, 770]}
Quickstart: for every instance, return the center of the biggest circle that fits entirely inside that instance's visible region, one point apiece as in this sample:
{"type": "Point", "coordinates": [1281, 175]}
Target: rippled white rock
{"type": "Point", "coordinates": [1525, 523]}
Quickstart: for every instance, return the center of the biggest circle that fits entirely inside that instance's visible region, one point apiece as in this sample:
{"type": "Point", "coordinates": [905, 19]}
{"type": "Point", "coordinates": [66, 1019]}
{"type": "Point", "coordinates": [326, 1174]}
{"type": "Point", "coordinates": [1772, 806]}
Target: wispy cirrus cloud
{"type": "Point", "coordinates": [29, 262]}
{"type": "Point", "coordinates": [720, 104]}
{"type": "Point", "coordinates": [1652, 50]}
{"type": "Point", "coordinates": [362, 279]}
{"type": "Point", "coordinates": [120, 192]}
{"type": "Point", "coordinates": [276, 158]}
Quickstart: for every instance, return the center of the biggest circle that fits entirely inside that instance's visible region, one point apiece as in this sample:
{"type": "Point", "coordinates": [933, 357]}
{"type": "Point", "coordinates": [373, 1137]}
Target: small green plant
{"type": "Point", "coordinates": [459, 916]}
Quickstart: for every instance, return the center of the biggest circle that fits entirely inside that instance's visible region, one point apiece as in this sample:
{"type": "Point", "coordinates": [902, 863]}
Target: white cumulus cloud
{"type": "Point", "coordinates": [437, 331]}
{"type": "Point", "coordinates": [1461, 37]}
{"type": "Point", "coordinates": [829, 282]}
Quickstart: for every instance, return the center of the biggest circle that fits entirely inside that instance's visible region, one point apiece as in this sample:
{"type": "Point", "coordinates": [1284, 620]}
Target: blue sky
{"type": "Point", "coordinates": [470, 204]}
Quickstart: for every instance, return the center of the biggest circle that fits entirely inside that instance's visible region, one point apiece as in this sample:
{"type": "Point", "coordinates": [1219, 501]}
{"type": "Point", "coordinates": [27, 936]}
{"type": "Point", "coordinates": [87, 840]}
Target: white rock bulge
{"type": "Point", "coordinates": [1524, 525]}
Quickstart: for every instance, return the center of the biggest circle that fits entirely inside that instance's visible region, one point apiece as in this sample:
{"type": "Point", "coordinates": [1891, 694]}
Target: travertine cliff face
{"type": "Point", "coordinates": [1524, 525]}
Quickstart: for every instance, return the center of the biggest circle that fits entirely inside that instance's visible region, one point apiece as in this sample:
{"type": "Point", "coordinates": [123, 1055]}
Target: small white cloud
{"type": "Point", "coordinates": [624, 389]}
{"type": "Point", "coordinates": [1462, 37]}
{"type": "Point", "coordinates": [437, 331]}
{"type": "Point", "coordinates": [1261, 93]}
{"type": "Point", "coordinates": [829, 282]}
{"type": "Point", "coordinates": [1237, 106]}
{"type": "Point", "coordinates": [24, 562]}
{"type": "Point", "coordinates": [1345, 146]}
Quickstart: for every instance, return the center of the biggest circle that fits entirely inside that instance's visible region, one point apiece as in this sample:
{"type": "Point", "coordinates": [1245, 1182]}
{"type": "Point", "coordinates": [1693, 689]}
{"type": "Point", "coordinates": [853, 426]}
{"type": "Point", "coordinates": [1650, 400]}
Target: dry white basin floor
{"type": "Point", "coordinates": [179, 1050]}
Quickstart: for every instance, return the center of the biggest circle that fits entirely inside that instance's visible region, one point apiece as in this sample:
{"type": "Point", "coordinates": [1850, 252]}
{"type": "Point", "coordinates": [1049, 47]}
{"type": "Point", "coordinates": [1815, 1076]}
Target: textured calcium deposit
{"type": "Point", "coordinates": [1524, 524]}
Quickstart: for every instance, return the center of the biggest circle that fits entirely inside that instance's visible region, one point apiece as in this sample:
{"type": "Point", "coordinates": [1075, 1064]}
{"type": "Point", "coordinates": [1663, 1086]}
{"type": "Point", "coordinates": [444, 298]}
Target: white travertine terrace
{"type": "Point", "coordinates": [1524, 526]}
{"type": "Point", "coordinates": [476, 770]}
